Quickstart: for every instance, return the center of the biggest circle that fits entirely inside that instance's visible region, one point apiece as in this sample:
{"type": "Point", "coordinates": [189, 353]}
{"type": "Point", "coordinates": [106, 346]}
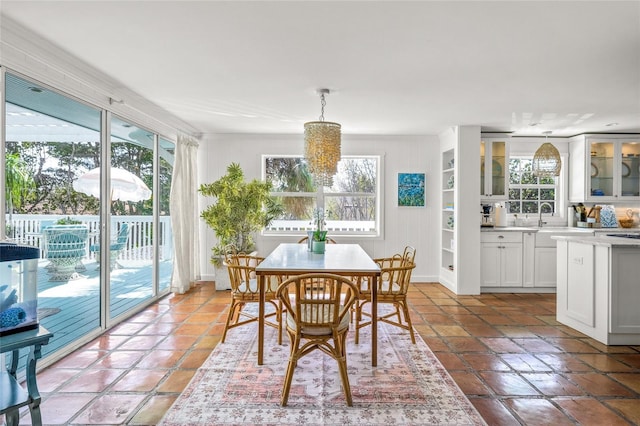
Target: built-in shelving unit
{"type": "Point", "coordinates": [448, 210]}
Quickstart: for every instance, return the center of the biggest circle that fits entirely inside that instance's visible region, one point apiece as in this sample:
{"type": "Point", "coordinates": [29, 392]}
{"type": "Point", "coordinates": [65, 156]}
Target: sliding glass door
{"type": "Point", "coordinates": [57, 189]}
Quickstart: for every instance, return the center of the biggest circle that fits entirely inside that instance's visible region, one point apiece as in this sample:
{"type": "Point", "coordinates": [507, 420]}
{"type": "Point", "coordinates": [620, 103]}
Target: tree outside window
{"type": "Point", "coordinates": [527, 192]}
{"type": "Point", "coordinates": [350, 204]}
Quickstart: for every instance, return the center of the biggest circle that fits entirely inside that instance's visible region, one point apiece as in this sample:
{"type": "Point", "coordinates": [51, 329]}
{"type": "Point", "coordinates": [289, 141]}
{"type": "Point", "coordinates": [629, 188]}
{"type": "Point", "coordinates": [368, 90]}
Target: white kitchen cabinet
{"type": "Point", "coordinates": [598, 289]}
{"type": "Point", "coordinates": [494, 167]}
{"type": "Point", "coordinates": [545, 267]}
{"type": "Point", "coordinates": [604, 168]}
{"type": "Point", "coordinates": [500, 259]}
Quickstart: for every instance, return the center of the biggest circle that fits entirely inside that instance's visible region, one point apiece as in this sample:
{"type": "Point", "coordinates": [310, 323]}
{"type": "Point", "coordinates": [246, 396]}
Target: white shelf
{"type": "Point", "coordinates": [448, 209]}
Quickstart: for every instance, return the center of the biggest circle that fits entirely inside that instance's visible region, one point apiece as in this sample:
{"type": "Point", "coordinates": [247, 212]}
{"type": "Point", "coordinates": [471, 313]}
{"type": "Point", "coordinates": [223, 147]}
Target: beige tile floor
{"type": "Point", "coordinates": [506, 352]}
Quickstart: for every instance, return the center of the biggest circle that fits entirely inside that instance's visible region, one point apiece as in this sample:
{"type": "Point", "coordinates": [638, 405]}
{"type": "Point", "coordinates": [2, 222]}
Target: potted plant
{"type": "Point", "coordinates": [239, 209]}
{"type": "Point", "coordinates": [319, 238]}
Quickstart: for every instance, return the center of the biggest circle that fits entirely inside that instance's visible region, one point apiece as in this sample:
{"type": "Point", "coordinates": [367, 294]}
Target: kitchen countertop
{"type": "Point", "coordinates": [551, 229]}
{"type": "Point", "coordinates": [559, 229]}
{"type": "Point", "coordinates": [600, 240]}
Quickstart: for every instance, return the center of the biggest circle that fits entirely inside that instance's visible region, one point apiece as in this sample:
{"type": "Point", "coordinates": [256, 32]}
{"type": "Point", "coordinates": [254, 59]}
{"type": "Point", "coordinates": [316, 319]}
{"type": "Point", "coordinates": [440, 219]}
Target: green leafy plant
{"type": "Point", "coordinates": [239, 209]}
{"type": "Point", "coordinates": [319, 234]}
{"type": "Point", "coordinates": [68, 221]}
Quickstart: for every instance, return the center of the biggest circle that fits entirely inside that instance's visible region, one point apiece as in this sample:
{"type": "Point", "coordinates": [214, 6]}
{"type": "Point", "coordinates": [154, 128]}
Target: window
{"type": "Point", "coordinates": [528, 193]}
{"type": "Point", "coordinates": [351, 204]}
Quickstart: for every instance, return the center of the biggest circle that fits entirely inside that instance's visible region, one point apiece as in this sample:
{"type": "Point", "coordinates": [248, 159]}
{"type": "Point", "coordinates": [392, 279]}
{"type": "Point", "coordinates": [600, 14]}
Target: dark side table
{"type": "Point", "coordinates": [12, 395]}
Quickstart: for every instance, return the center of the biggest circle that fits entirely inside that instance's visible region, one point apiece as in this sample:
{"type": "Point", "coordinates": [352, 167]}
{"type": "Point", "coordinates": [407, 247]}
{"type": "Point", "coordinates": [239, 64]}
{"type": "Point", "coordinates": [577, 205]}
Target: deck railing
{"type": "Point", "coordinates": [26, 229]}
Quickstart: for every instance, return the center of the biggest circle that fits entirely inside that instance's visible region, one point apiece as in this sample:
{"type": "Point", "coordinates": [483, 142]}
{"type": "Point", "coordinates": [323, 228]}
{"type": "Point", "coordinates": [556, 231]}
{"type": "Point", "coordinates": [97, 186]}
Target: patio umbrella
{"type": "Point", "coordinates": [125, 186]}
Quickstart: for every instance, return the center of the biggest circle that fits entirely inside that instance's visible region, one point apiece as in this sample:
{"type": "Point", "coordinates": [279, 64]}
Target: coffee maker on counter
{"type": "Point", "coordinates": [488, 216]}
{"type": "Point", "coordinates": [493, 215]}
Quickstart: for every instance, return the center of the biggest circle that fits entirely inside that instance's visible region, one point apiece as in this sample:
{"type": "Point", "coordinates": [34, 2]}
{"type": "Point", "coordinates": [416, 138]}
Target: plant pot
{"type": "Point", "coordinates": [222, 277]}
{"type": "Point", "coordinates": [318, 247]}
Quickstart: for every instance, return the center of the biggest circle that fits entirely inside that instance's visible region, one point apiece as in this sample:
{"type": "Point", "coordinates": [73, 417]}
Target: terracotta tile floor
{"type": "Point", "coordinates": [506, 352]}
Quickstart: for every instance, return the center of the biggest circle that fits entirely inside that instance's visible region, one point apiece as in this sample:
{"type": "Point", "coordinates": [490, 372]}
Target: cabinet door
{"type": "Point", "coordinates": [602, 169]}
{"type": "Point", "coordinates": [493, 169]}
{"type": "Point", "coordinates": [511, 267]}
{"type": "Point", "coordinates": [490, 264]}
{"type": "Point", "coordinates": [545, 267]}
{"type": "Point", "coordinates": [629, 169]}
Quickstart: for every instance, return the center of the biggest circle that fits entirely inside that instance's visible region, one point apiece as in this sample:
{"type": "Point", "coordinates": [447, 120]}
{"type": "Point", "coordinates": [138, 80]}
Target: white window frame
{"type": "Point", "coordinates": [320, 197]}
{"type": "Point", "coordinates": [560, 214]}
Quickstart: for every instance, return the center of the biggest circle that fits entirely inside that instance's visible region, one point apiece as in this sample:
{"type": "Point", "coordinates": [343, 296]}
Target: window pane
{"type": "Point", "coordinates": [529, 207]}
{"type": "Point", "coordinates": [355, 175]}
{"type": "Point", "coordinates": [547, 194]}
{"type": "Point", "coordinates": [350, 204]}
{"type": "Point", "coordinates": [514, 194]}
{"type": "Point", "coordinates": [297, 208]}
{"type": "Point", "coordinates": [514, 171]}
{"type": "Point", "coordinates": [289, 174]}
{"type": "Point", "coordinates": [530, 194]}
{"type": "Point", "coordinates": [546, 208]}
{"type": "Point", "coordinates": [514, 207]}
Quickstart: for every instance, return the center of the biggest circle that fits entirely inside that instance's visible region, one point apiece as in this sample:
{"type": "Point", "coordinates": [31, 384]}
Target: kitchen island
{"type": "Point", "coordinates": [598, 286]}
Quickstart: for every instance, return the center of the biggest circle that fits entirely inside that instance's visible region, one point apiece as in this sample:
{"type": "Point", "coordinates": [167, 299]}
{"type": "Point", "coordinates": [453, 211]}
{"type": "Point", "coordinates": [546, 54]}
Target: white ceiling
{"type": "Point", "coordinates": [394, 68]}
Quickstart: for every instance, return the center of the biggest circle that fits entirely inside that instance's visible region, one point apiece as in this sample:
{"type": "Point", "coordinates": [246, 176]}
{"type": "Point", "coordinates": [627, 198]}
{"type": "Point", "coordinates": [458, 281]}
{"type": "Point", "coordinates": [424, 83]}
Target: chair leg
{"type": "Point", "coordinates": [407, 318]}
{"type": "Point", "coordinates": [232, 314]}
{"type": "Point", "coordinates": [293, 360]}
{"type": "Point", "coordinates": [342, 366]}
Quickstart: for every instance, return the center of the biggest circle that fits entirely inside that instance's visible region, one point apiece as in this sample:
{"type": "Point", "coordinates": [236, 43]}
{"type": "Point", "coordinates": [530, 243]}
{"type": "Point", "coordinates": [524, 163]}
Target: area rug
{"type": "Point", "coordinates": [408, 387]}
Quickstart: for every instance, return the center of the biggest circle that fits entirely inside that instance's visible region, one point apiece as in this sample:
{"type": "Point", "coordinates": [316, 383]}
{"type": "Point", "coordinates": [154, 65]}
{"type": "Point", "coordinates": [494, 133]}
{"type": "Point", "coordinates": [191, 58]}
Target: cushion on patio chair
{"type": "Point", "coordinates": [115, 248]}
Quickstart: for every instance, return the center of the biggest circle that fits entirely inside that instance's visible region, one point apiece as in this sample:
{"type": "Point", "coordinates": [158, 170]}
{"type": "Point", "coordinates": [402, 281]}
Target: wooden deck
{"type": "Point", "coordinates": [71, 309]}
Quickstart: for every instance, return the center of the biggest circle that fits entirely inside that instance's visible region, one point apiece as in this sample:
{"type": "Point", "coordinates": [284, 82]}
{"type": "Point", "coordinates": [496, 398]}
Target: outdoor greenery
{"type": "Point", "coordinates": [526, 191]}
{"type": "Point", "coordinates": [18, 181]}
{"type": "Point", "coordinates": [354, 188]}
{"type": "Point", "coordinates": [68, 221]}
{"type": "Point", "coordinates": [40, 177]}
{"type": "Point", "coordinates": [239, 209]}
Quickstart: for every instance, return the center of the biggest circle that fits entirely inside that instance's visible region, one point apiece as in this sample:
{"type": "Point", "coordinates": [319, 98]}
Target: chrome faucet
{"type": "Point", "coordinates": [540, 222]}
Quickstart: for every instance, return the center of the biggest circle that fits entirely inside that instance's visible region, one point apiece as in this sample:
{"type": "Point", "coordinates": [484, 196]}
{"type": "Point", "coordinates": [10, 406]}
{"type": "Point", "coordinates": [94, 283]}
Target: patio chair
{"type": "Point", "coordinates": [393, 284]}
{"type": "Point", "coordinates": [316, 316]}
{"type": "Point", "coordinates": [66, 245]}
{"type": "Point", "coordinates": [115, 248]}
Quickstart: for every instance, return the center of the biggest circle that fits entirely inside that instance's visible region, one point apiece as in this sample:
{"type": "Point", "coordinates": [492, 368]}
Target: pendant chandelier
{"type": "Point", "coordinates": [546, 161]}
{"type": "Point", "coordinates": [322, 146]}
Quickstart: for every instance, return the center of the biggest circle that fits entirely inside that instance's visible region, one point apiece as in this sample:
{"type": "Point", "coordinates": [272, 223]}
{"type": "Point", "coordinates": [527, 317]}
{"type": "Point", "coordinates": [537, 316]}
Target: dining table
{"type": "Point", "coordinates": [341, 259]}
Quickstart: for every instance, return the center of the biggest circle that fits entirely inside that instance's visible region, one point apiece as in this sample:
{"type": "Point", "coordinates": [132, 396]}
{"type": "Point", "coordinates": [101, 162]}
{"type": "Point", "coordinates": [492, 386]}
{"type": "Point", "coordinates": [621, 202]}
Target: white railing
{"type": "Point", "coordinates": [26, 229]}
{"type": "Point", "coordinates": [341, 226]}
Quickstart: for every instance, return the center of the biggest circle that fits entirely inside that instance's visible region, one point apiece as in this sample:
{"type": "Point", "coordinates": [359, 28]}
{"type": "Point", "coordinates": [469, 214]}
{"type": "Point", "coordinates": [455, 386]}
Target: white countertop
{"type": "Point", "coordinates": [560, 229]}
{"type": "Point", "coordinates": [549, 229]}
{"type": "Point", "coordinates": [601, 239]}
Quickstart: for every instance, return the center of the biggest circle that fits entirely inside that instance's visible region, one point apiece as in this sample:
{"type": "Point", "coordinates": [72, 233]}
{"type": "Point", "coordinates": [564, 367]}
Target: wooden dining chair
{"type": "Point", "coordinates": [393, 284]}
{"type": "Point", "coordinates": [317, 317]}
{"type": "Point", "coordinates": [245, 289]}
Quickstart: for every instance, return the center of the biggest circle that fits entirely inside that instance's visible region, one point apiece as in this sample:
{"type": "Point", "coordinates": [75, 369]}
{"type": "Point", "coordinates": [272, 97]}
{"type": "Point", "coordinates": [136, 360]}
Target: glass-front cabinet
{"type": "Point", "coordinates": [604, 168]}
{"type": "Point", "coordinates": [494, 158]}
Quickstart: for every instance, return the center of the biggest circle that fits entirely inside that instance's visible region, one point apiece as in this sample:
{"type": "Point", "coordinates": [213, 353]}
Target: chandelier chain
{"type": "Point", "coordinates": [323, 103]}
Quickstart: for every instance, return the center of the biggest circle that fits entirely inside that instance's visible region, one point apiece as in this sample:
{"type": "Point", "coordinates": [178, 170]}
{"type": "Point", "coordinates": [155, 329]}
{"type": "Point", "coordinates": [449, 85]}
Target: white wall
{"type": "Point", "coordinates": [403, 226]}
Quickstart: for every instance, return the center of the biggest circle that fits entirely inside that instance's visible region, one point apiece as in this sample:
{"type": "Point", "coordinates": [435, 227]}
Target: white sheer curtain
{"type": "Point", "coordinates": [184, 216]}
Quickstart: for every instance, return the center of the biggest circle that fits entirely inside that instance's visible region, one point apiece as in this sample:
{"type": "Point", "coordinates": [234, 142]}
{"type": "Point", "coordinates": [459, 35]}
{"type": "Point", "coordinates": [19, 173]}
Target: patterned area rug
{"type": "Point", "coordinates": [408, 387]}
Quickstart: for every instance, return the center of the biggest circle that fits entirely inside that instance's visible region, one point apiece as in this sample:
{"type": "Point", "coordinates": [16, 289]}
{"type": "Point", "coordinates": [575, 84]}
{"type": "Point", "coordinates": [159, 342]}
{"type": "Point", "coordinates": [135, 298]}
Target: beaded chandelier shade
{"type": "Point", "coordinates": [546, 160]}
{"type": "Point", "coordinates": [322, 146]}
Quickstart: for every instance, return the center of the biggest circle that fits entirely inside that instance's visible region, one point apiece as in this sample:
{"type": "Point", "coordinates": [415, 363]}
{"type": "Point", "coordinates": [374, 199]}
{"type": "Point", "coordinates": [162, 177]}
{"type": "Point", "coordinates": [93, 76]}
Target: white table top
{"type": "Point", "coordinates": [338, 258]}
